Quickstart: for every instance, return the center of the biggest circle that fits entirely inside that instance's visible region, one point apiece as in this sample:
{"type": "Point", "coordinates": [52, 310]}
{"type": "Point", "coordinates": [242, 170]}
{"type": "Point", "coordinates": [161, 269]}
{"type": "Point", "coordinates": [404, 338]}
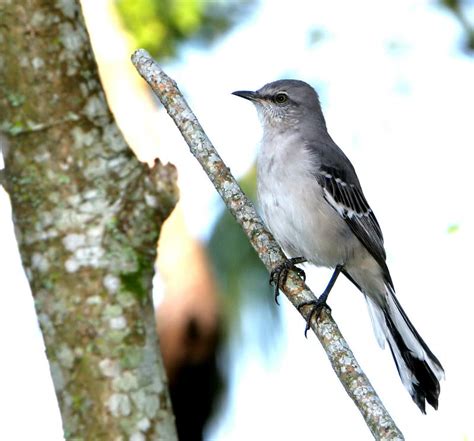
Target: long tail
{"type": "Point", "coordinates": [417, 366]}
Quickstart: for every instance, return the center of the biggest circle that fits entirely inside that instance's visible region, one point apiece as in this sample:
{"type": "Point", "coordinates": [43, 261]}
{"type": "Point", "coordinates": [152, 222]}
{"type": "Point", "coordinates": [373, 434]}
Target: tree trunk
{"type": "Point", "coordinates": [87, 215]}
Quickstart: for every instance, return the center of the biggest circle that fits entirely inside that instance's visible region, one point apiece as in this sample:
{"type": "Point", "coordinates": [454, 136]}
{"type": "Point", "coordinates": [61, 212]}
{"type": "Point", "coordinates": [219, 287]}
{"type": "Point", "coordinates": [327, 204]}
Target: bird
{"type": "Point", "coordinates": [312, 201]}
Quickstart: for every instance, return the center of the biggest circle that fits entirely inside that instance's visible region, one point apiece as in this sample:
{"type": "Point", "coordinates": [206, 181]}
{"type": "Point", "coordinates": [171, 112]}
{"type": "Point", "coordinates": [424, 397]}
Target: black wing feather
{"type": "Point", "coordinates": [349, 201]}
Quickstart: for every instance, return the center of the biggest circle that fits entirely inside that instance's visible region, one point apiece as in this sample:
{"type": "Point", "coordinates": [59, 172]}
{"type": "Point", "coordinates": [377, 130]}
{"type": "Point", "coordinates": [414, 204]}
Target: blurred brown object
{"type": "Point", "coordinates": [188, 325]}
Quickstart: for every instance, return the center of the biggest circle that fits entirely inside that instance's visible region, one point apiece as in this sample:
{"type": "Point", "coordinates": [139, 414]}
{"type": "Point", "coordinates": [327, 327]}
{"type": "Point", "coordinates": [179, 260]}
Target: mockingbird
{"type": "Point", "coordinates": [312, 202]}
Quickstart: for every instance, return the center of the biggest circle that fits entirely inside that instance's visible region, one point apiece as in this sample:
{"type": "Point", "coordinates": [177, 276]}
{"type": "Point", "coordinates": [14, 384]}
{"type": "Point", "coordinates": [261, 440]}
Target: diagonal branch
{"type": "Point", "coordinates": [342, 360]}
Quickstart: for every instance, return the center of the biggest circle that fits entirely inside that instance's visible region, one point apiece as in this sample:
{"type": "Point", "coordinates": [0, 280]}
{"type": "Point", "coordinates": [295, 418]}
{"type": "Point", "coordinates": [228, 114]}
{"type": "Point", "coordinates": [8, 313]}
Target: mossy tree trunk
{"type": "Point", "coordinates": [87, 215]}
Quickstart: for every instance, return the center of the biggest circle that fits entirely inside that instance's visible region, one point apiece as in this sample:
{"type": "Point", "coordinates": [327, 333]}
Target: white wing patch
{"type": "Point", "coordinates": [342, 209]}
{"type": "Point", "coordinates": [350, 203]}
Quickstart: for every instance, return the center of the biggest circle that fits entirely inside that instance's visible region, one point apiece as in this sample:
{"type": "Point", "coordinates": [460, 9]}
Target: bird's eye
{"type": "Point", "coordinates": [280, 98]}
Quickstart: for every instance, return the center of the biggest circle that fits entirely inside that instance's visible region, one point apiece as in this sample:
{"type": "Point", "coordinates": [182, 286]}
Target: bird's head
{"type": "Point", "coordinates": [285, 103]}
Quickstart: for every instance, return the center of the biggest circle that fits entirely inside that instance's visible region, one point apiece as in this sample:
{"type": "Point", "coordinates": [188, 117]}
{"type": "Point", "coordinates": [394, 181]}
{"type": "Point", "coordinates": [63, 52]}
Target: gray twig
{"type": "Point", "coordinates": [342, 360]}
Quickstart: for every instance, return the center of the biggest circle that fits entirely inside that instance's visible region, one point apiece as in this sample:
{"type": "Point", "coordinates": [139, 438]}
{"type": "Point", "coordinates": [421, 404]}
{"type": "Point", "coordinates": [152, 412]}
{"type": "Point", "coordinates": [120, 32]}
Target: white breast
{"type": "Point", "coordinates": [293, 206]}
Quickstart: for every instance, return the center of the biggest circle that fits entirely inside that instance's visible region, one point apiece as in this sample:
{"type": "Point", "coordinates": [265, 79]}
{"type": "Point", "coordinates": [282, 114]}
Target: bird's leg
{"type": "Point", "coordinates": [280, 273]}
{"type": "Point", "coordinates": [317, 305]}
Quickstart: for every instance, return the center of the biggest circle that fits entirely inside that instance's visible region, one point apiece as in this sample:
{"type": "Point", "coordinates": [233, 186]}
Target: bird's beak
{"type": "Point", "coordinates": [247, 94]}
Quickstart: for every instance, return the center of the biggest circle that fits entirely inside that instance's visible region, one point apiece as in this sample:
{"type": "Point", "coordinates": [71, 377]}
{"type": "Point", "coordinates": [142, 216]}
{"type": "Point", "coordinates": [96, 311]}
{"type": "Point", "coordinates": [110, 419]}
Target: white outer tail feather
{"type": "Point", "coordinates": [378, 322]}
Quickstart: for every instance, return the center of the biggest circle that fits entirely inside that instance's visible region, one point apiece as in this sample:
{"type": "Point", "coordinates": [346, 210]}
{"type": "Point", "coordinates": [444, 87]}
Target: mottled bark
{"type": "Point", "coordinates": [355, 382]}
{"type": "Point", "coordinates": [87, 215]}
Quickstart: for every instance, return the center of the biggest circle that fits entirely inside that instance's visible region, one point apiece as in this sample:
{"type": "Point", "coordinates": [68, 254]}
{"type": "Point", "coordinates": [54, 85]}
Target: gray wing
{"type": "Point", "coordinates": [343, 192]}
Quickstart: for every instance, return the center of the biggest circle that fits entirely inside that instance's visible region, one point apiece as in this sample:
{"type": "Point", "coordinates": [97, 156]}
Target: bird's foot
{"type": "Point", "coordinates": [318, 305]}
{"type": "Point", "coordinates": [316, 309]}
{"type": "Point", "coordinates": [280, 273]}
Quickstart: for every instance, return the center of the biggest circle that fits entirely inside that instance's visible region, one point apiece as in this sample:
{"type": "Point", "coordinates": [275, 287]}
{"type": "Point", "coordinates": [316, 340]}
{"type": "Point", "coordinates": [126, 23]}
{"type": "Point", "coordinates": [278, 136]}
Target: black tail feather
{"type": "Point", "coordinates": [426, 385]}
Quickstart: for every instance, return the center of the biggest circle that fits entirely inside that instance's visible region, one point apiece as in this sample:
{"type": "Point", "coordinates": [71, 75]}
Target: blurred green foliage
{"type": "Point", "coordinates": [160, 26]}
{"type": "Point", "coordinates": [454, 228]}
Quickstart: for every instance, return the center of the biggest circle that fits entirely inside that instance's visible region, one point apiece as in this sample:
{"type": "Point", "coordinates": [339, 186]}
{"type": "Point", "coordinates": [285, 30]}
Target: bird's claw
{"type": "Point", "coordinates": [279, 274]}
{"type": "Point", "coordinates": [316, 308]}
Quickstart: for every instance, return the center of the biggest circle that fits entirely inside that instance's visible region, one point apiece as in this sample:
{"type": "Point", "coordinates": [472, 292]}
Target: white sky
{"type": "Point", "coordinates": [405, 118]}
